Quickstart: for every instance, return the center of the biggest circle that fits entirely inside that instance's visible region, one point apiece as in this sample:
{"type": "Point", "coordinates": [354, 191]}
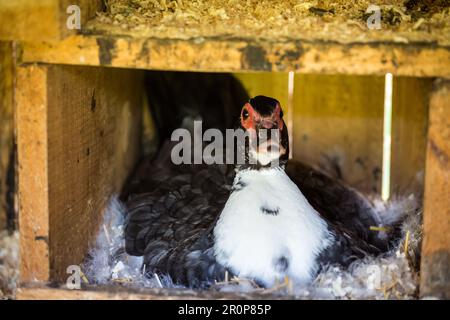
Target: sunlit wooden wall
{"type": "Point", "coordinates": [337, 125]}
{"type": "Point", "coordinates": [409, 133]}
{"type": "Point", "coordinates": [6, 127]}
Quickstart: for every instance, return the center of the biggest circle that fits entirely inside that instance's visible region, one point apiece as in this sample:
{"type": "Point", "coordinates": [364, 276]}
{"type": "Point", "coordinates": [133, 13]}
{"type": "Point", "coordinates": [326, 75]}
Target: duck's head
{"type": "Point", "coordinates": [268, 146]}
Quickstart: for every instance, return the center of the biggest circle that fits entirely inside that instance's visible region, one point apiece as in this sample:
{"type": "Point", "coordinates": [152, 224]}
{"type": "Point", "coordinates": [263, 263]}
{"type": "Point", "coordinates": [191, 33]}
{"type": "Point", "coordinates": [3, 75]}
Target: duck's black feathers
{"type": "Point", "coordinates": [172, 211]}
{"type": "Point", "coordinates": [343, 207]}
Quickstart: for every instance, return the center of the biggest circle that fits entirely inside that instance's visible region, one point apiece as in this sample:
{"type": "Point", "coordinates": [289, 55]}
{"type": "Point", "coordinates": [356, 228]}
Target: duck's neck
{"type": "Point", "coordinates": [245, 168]}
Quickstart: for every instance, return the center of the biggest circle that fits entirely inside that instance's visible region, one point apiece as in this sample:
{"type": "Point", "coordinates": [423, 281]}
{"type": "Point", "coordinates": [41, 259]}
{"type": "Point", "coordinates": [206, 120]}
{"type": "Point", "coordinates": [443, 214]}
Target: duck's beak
{"type": "Point", "coordinates": [269, 123]}
{"type": "Point", "coordinates": [268, 147]}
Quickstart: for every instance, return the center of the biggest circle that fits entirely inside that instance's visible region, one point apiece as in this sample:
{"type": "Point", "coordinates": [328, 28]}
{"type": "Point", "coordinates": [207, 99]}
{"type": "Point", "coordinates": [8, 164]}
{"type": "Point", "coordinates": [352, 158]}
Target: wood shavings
{"type": "Point", "coordinates": [106, 234]}
{"type": "Point", "coordinates": [405, 248]}
{"type": "Point", "coordinates": [289, 285]}
{"type": "Point", "coordinates": [237, 280]}
{"type": "Point", "coordinates": [83, 277]}
{"type": "Point", "coordinates": [418, 23]}
{"type": "Point", "coordinates": [382, 229]}
{"type": "Point", "coordinates": [123, 280]}
{"type": "Point", "coordinates": [336, 20]}
{"type": "Point", "coordinates": [158, 281]}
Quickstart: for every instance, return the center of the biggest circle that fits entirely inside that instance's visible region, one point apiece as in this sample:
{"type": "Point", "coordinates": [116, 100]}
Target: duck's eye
{"type": "Point", "coordinates": [245, 114]}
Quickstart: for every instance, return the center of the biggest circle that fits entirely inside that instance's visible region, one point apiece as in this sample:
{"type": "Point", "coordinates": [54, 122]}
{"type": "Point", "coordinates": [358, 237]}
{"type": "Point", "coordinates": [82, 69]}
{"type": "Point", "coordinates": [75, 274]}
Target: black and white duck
{"type": "Point", "coordinates": [263, 220]}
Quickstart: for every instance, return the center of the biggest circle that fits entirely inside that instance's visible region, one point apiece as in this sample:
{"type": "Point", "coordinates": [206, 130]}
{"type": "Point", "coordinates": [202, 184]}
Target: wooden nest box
{"type": "Point", "coordinates": [79, 95]}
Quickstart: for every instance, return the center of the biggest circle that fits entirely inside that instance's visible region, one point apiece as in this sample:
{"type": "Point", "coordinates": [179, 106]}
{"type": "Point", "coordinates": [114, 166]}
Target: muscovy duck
{"type": "Point", "coordinates": [265, 220]}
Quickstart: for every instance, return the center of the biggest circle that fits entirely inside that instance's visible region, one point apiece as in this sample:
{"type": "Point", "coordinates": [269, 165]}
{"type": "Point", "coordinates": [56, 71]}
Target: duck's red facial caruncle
{"type": "Point", "coordinates": [252, 119]}
{"type": "Point", "coordinates": [262, 119]}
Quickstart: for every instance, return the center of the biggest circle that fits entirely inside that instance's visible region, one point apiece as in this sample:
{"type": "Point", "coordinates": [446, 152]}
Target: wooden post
{"type": "Point", "coordinates": [31, 99]}
{"type": "Point", "coordinates": [78, 139]}
{"type": "Point", "coordinates": [435, 269]}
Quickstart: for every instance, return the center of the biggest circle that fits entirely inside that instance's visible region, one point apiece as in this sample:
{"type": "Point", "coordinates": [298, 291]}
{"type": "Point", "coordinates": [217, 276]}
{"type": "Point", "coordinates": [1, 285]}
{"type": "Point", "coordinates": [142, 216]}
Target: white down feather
{"type": "Point", "coordinates": [250, 242]}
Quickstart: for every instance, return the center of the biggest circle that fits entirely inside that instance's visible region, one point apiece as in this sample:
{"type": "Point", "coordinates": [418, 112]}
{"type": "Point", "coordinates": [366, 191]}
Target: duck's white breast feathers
{"type": "Point", "coordinates": [268, 229]}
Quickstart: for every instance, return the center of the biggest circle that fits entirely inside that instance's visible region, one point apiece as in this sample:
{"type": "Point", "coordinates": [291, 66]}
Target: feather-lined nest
{"type": "Point", "coordinates": [393, 275]}
{"type": "Point", "coordinates": [338, 20]}
{"type": "Point", "coordinates": [9, 259]}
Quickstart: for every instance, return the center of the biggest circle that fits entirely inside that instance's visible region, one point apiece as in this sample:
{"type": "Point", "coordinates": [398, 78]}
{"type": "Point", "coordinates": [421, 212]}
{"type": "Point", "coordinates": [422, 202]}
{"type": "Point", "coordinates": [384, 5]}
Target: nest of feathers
{"type": "Point", "coordinates": [393, 275]}
{"type": "Point", "coordinates": [338, 20]}
{"type": "Point", "coordinates": [9, 260]}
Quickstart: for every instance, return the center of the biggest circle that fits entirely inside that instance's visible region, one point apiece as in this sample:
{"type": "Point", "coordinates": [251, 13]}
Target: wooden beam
{"type": "Point", "coordinates": [46, 293]}
{"type": "Point", "coordinates": [29, 20]}
{"type": "Point", "coordinates": [6, 133]}
{"type": "Point", "coordinates": [78, 139]}
{"type": "Point", "coordinates": [40, 292]}
{"type": "Point", "coordinates": [435, 267]}
{"type": "Point", "coordinates": [236, 55]}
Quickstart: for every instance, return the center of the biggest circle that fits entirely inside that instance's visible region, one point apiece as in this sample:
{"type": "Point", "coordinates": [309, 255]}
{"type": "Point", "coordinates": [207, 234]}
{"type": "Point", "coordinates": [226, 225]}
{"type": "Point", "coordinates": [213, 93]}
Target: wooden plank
{"type": "Point", "coordinates": [30, 20]}
{"type": "Point", "coordinates": [6, 132]}
{"type": "Point", "coordinates": [79, 138]}
{"type": "Point", "coordinates": [338, 123]}
{"type": "Point", "coordinates": [435, 266]}
{"type": "Point", "coordinates": [236, 55]}
{"type": "Point", "coordinates": [31, 109]}
{"type": "Point", "coordinates": [94, 144]}
{"type": "Point", "coordinates": [41, 292]}
{"type": "Point", "coordinates": [64, 294]}
{"type": "Point", "coordinates": [409, 127]}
